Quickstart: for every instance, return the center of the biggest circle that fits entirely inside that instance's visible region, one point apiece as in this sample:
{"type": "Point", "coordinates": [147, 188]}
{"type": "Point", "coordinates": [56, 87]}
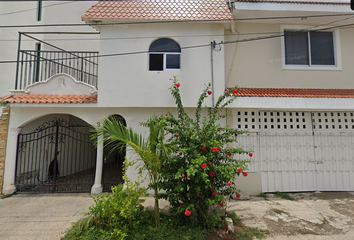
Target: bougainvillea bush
{"type": "Point", "coordinates": [201, 171]}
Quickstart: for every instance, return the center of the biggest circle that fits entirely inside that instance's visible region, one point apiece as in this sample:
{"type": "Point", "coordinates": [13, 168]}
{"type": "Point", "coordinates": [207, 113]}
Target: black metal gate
{"type": "Point", "coordinates": [55, 158]}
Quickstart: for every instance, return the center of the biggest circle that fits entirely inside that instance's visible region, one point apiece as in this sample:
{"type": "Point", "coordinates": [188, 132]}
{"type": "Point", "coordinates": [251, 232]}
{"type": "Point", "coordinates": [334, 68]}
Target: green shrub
{"type": "Point", "coordinates": [203, 168]}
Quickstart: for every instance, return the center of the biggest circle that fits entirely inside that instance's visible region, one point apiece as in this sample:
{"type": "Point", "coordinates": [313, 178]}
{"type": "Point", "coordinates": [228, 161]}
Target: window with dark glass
{"type": "Point", "coordinates": [309, 48]}
{"type": "Point", "coordinates": [164, 53]}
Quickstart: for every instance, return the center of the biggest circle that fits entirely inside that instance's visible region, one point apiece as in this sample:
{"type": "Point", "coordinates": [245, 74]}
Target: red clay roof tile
{"type": "Point", "coordinates": [159, 10]}
{"type": "Point", "coordinates": [297, 2]}
{"type": "Point", "coordinates": [50, 98]}
{"type": "Point", "coordinates": [295, 92]}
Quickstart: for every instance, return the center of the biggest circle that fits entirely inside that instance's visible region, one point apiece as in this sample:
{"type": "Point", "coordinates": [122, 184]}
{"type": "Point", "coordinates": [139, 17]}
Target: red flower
{"type": "Point", "coordinates": [203, 165]}
{"type": "Point", "coordinates": [218, 129]}
{"type": "Point", "coordinates": [211, 174]}
{"type": "Point", "coordinates": [204, 148]}
{"type": "Point", "coordinates": [188, 179]}
{"type": "Point", "coordinates": [235, 135]}
{"type": "Point", "coordinates": [166, 114]}
{"type": "Point", "coordinates": [229, 154]}
{"type": "Point", "coordinates": [198, 195]}
{"type": "Point", "coordinates": [239, 170]}
{"type": "Point", "coordinates": [215, 149]}
{"type": "Point", "coordinates": [233, 183]}
{"type": "Point", "coordinates": [234, 91]}
{"type": "Point", "coordinates": [177, 85]}
{"type": "Point", "coordinates": [198, 207]}
{"type": "Point", "coordinates": [210, 92]}
{"type": "Point", "coordinates": [219, 148]}
{"type": "Point", "coordinates": [183, 175]}
{"type": "Point", "coordinates": [176, 134]}
{"type": "Point", "coordinates": [225, 226]}
{"type": "Point", "coordinates": [181, 204]}
{"type": "Point", "coordinates": [215, 193]}
{"type": "Point", "coordinates": [251, 154]}
{"type": "Point", "coordinates": [245, 174]}
{"type": "Point", "coordinates": [209, 163]}
{"type": "Point", "coordinates": [228, 182]}
{"type": "Point", "coordinates": [221, 204]}
{"type": "Point", "coordinates": [180, 153]}
{"type": "Point", "coordinates": [187, 212]}
{"type": "Point", "coordinates": [238, 195]}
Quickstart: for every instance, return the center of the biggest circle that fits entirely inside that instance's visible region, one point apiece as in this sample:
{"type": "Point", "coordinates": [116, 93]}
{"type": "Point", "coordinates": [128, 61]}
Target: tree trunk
{"type": "Point", "coordinates": [157, 210]}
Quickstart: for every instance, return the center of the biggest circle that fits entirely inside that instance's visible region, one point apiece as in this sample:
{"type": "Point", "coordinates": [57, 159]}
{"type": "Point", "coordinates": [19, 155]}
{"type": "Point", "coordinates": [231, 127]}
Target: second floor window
{"type": "Point", "coordinates": [309, 48]}
{"type": "Point", "coordinates": [164, 54]}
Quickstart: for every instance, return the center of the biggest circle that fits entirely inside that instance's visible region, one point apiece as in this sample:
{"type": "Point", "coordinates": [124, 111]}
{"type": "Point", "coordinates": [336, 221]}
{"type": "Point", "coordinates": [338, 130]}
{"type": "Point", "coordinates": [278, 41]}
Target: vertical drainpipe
{"type": "Point", "coordinates": [212, 44]}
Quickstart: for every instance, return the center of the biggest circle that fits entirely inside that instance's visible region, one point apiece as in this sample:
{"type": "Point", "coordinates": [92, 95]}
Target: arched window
{"type": "Point", "coordinates": [164, 54]}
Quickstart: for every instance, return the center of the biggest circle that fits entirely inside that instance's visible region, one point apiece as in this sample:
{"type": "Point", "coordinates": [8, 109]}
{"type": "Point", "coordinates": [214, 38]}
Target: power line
{"type": "Point", "coordinates": [32, 9]}
{"type": "Point", "coordinates": [170, 21]}
{"type": "Point", "coordinates": [208, 45]}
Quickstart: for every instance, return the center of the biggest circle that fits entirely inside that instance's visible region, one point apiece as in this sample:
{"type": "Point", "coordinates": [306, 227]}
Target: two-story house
{"type": "Point", "coordinates": [291, 60]}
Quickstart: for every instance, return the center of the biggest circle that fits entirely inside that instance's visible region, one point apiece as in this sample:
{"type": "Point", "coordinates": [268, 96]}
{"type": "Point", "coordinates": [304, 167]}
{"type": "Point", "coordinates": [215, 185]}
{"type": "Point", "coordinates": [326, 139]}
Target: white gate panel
{"type": "Point", "coordinates": [334, 156]}
{"type": "Point", "coordinates": [299, 151]}
{"type": "Point", "coordinates": [288, 162]}
{"type": "Point", "coordinates": [249, 142]}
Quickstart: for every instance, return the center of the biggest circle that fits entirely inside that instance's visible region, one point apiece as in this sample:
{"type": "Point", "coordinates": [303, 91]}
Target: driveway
{"type": "Point", "coordinates": [315, 216]}
{"type": "Point", "coordinates": [41, 217]}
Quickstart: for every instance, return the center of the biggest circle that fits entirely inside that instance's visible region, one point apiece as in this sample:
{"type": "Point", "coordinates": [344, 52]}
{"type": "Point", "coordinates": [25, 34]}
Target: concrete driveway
{"type": "Point", "coordinates": [41, 217]}
{"type": "Point", "coordinates": [315, 216]}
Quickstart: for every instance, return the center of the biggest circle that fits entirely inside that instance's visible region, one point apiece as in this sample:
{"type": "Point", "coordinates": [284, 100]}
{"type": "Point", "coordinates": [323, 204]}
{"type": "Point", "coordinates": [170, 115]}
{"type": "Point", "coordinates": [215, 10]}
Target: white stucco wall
{"type": "Point", "coordinates": [26, 119]}
{"type": "Point", "coordinates": [53, 12]}
{"type": "Point", "coordinates": [258, 63]}
{"type": "Point", "coordinates": [126, 80]}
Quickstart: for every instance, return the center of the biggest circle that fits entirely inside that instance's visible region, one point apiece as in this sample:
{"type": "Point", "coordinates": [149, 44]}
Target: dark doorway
{"type": "Point", "coordinates": [113, 164]}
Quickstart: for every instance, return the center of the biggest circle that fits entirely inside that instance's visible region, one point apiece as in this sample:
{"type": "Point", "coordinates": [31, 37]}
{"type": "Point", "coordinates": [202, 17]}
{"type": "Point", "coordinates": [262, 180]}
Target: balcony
{"type": "Point", "coordinates": [37, 66]}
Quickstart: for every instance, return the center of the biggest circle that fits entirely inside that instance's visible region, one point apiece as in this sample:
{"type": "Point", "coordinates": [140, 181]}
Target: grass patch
{"type": "Point", "coordinates": [249, 233]}
{"type": "Point", "coordinates": [233, 216]}
{"type": "Point", "coordinates": [6, 196]}
{"type": "Point", "coordinates": [278, 211]}
{"type": "Point", "coordinates": [284, 196]}
{"type": "Point", "coordinates": [263, 195]}
{"type": "Point", "coordinates": [143, 229]}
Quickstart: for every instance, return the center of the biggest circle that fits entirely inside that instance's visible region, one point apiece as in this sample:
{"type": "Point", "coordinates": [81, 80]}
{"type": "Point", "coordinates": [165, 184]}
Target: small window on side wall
{"type": "Point", "coordinates": [164, 54]}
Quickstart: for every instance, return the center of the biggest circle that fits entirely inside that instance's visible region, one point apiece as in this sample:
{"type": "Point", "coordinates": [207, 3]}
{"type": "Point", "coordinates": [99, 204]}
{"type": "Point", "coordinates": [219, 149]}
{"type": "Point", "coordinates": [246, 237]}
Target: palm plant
{"type": "Point", "coordinates": [152, 151]}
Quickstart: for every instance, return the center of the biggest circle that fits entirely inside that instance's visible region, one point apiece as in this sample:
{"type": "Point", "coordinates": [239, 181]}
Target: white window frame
{"type": "Point", "coordinates": [164, 61]}
{"type": "Point", "coordinates": [336, 43]}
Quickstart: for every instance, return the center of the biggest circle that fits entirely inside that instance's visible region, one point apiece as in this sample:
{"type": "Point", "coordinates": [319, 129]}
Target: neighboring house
{"type": "Point", "coordinates": [296, 96]}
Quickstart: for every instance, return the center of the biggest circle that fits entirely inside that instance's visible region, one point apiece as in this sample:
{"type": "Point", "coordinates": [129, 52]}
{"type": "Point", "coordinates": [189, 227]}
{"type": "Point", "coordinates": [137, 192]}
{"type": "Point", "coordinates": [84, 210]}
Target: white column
{"type": "Point", "coordinates": [97, 187]}
{"type": "Point", "coordinates": [10, 162]}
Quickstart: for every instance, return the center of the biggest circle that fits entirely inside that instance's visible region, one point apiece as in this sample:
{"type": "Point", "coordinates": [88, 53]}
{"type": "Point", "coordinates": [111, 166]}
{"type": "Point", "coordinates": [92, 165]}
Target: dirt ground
{"type": "Point", "coordinates": [316, 215]}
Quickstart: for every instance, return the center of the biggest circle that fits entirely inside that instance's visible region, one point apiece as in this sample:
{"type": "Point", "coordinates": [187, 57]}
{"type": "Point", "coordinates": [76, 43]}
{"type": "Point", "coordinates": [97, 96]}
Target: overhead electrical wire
{"type": "Point", "coordinates": [33, 9]}
{"type": "Point", "coordinates": [208, 45]}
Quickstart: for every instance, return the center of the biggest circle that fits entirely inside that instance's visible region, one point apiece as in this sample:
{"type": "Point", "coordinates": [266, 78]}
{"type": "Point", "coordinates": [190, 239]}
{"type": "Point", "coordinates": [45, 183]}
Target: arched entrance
{"type": "Point", "coordinates": [113, 163]}
{"type": "Point", "coordinates": [55, 154]}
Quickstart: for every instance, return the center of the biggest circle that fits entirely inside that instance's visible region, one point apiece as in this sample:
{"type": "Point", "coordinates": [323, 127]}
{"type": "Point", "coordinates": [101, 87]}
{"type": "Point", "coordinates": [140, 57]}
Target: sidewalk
{"type": "Point", "coordinates": [315, 216]}
{"type": "Point", "coordinates": [41, 217]}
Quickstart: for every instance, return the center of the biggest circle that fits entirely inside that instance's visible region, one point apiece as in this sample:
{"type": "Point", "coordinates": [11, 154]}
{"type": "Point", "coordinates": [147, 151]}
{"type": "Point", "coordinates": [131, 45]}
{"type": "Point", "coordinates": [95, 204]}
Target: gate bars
{"type": "Point", "coordinates": [55, 158]}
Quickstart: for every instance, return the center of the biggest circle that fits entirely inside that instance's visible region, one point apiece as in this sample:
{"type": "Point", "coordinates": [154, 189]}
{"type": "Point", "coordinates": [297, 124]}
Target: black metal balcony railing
{"type": "Point", "coordinates": [37, 66]}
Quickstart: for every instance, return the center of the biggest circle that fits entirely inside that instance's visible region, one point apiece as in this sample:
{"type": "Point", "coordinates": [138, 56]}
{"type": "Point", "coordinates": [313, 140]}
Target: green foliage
{"type": "Point", "coordinates": [233, 216]}
{"type": "Point", "coordinates": [6, 196]}
{"type": "Point", "coordinates": [143, 229]}
{"type": "Point", "coordinates": [203, 167]}
{"type": "Point", "coordinates": [249, 233]}
{"type": "Point", "coordinates": [263, 195]}
{"type": "Point", "coordinates": [284, 196]}
{"type": "Point", "coordinates": [151, 151]}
